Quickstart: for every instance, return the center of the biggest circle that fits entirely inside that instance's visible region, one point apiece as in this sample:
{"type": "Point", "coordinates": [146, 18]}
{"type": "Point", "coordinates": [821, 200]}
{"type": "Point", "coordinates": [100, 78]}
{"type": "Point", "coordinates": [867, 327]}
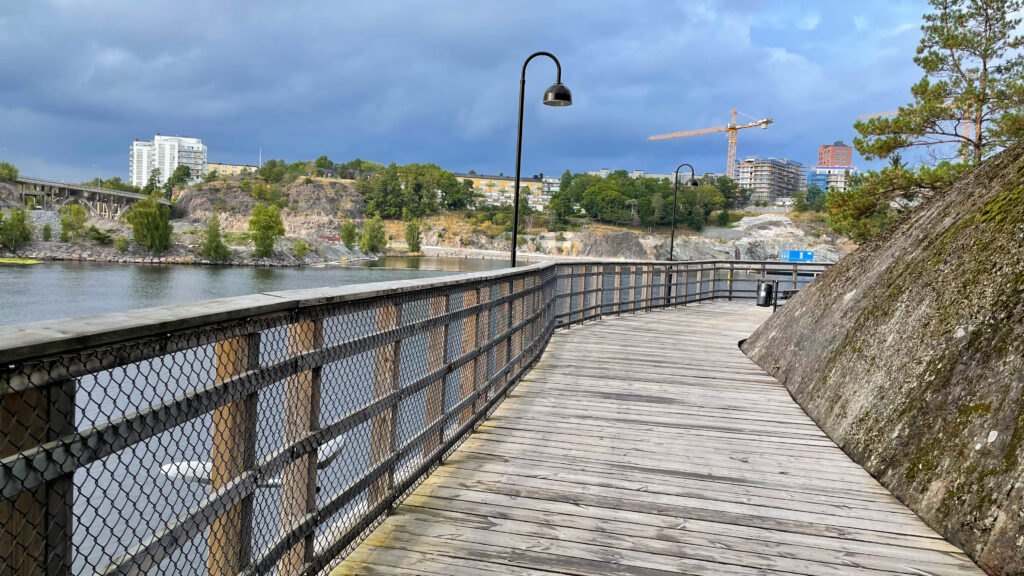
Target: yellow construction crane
{"type": "Point", "coordinates": [732, 128]}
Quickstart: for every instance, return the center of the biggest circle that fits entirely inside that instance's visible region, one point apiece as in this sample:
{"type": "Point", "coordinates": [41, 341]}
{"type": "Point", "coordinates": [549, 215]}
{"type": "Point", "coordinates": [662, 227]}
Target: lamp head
{"type": "Point", "coordinates": [691, 182]}
{"type": "Point", "coordinates": [558, 95]}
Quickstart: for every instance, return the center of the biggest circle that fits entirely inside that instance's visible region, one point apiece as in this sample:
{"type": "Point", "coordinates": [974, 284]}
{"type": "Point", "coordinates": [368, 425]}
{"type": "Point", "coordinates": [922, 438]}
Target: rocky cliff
{"type": "Point", "coordinates": [910, 354]}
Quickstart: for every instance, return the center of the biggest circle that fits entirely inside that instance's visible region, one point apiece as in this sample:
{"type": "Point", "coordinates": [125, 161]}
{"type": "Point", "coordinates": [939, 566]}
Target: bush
{"type": "Point", "coordinates": [122, 243]}
{"type": "Point", "coordinates": [301, 248]}
{"type": "Point", "coordinates": [560, 237]}
{"type": "Point", "coordinates": [72, 222]}
{"type": "Point", "coordinates": [723, 218]}
{"type": "Point", "coordinates": [349, 234]}
{"type": "Point", "coordinates": [99, 236]}
{"type": "Point", "coordinates": [8, 171]}
{"type": "Point", "coordinates": [373, 238]}
{"type": "Point", "coordinates": [213, 246]}
{"type": "Point", "coordinates": [151, 223]}
{"type": "Point", "coordinates": [265, 227]}
{"type": "Point", "coordinates": [237, 238]}
{"type": "Point", "coordinates": [412, 235]}
{"type": "Point", "coordinates": [15, 228]}
{"type": "Point", "coordinates": [47, 232]}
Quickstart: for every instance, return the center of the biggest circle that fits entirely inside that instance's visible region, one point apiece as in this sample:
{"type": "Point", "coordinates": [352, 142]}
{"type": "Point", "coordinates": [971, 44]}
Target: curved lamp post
{"type": "Point", "coordinates": [556, 95]}
{"type": "Point", "coordinates": [691, 183]}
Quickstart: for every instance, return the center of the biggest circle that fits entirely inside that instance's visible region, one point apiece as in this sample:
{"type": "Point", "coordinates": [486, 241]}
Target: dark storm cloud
{"type": "Point", "coordinates": [438, 81]}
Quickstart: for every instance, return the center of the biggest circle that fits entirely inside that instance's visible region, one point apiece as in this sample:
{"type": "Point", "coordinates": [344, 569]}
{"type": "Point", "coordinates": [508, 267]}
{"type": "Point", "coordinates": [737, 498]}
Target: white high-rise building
{"type": "Point", "coordinates": [166, 153]}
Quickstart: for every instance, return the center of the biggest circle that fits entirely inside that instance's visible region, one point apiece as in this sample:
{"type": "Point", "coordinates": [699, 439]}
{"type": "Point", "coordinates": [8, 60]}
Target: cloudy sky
{"type": "Point", "coordinates": [437, 81]}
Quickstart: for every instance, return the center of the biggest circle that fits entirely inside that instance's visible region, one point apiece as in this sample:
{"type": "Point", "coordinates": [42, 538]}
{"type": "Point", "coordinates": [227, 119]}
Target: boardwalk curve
{"type": "Point", "coordinates": [651, 445]}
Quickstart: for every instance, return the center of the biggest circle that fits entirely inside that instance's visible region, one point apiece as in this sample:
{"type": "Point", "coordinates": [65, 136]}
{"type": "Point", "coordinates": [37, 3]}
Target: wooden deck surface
{"type": "Point", "coordinates": [651, 445]}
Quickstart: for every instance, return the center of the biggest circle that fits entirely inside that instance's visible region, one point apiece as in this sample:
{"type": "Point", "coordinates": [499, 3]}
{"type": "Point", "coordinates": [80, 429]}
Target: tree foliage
{"type": "Point", "coordinates": [412, 235]}
{"type": "Point", "coordinates": [8, 171]}
{"type": "Point", "coordinates": [349, 234]}
{"type": "Point", "coordinates": [971, 97]}
{"type": "Point", "coordinates": [72, 222]}
{"type": "Point", "coordinates": [373, 238]}
{"type": "Point", "coordinates": [151, 224]}
{"type": "Point", "coordinates": [614, 198]}
{"type": "Point", "coordinates": [213, 245]}
{"type": "Point", "coordinates": [114, 183]}
{"type": "Point", "coordinates": [410, 191]}
{"type": "Point", "coordinates": [265, 227]}
{"type": "Point", "coordinates": [15, 228]}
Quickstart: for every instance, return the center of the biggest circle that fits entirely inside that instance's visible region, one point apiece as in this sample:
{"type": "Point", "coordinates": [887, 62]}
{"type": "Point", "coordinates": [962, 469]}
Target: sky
{"type": "Point", "coordinates": [403, 81]}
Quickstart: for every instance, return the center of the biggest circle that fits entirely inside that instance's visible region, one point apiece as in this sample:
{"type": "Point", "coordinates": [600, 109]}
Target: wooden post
{"type": "Point", "coordinates": [515, 316]}
{"type": "Point", "coordinates": [617, 290]}
{"type": "Point", "coordinates": [301, 417]}
{"type": "Point", "coordinates": [501, 355]}
{"type": "Point", "coordinates": [35, 537]}
{"type": "Point", "coordinates": [732, 272]}
{"type": "Point", "coordinates": [483, 336]}
{"type": "Point", "coordinates": [467, 380]}
{"type": "Point", "coordinates": [232, 453]}
{"type": "Point", "coordinates": [795, 275]}
{"type": "Point", "coordinates": [385, 381]}
{"type": "Point", "coordinates": [437, 356]}
{"type": "Point", "coordinates": [700, 283]}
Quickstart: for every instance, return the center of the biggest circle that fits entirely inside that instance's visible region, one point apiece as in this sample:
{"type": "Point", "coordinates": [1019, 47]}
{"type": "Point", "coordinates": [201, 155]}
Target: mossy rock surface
{"type": "Point", "coordinates": [909, 353]}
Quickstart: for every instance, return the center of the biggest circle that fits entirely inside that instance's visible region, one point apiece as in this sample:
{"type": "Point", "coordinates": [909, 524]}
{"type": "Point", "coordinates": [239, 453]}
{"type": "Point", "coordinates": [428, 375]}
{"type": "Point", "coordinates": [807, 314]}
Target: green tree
{"type": "Point", "coordinates": [349, 234]}
{"type": "Point", "coordinates": [815, 198]}
{"type": "Point", "coordinates": [72, 222]}
{"type": "Point", "coordinates": [153, 184]}
{"type": "Point", "coordinates": [800, 201]}
{"type": "Point", "coordinates": [15, 228]}
{"type": "Point", "coordinates": [179, 178]}
{"type": "Point", "coordinates": [265, 227]}
{"type": "Point", "coordinates": [151, 224]}
{"type": "Point", "coordinates": [213, 245]}
{"type": "Point", "coordinates": [47, 232]}
{"type": "Point", "coordinates": [723, 218]}
{"type": "Point", "coordinates": [374, 238]}
{"type": "Point", "coordinates": [8, 171]}
{"type": "Point", "coordinates": [972, 93]}
{"type": "Point", "coordinates": [412, 235]}
{"type": "Point", "coordinates": [122, 243]}
{"type": "Point", "coordinates": [300, 248]}
{"type": "Point", "coordinates": [323, 164]}
{"type": "Point", "coordinates": [211, 176]}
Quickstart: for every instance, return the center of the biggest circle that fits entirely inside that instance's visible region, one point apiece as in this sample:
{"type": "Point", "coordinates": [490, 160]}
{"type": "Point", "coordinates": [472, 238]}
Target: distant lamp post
{"type": "Point", "coordinates": [556, 95]}
{"type": "Point", "coordinates": [691, 183]}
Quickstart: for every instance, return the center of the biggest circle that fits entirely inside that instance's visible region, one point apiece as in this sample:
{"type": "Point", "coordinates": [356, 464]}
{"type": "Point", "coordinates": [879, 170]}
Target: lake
{"type": "Point", "coordinates": [54, 290]}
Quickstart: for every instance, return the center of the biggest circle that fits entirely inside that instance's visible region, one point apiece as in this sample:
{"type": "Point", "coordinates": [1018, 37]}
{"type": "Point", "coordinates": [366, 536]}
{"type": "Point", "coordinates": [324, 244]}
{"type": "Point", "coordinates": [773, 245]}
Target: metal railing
{"type": "Point", "coordinates": [267, 433]}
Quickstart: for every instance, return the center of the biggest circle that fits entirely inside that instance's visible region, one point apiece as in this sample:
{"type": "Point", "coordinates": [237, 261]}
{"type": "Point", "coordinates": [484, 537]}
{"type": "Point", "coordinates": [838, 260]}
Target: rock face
{"type": "Point", "coordinates": [909, 353]}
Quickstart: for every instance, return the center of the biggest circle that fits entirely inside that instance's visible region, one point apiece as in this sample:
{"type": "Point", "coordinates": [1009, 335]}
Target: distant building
{"type": "Point", "coordinates": [837, 155]}
{"type": "Point", "coordinates": [230, 169]}
{"type": "Point", "coordinates": [832, 177]}
{"type": "Point", "coordinates": [165, 153]}
{"type": "Point", "coordinates": [770, 178]}
{"type": "Point", "coordinates": [604, 172]}
{"type": "Point", "coordinates": [551, 185]}
{"type": "Point", "coordinates": [500, 190]}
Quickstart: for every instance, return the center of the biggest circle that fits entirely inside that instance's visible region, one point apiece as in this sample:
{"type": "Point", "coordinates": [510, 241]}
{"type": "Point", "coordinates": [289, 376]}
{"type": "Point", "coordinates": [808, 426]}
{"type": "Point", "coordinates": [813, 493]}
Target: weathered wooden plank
{"type": "Point", "coordinates": [648, 444]}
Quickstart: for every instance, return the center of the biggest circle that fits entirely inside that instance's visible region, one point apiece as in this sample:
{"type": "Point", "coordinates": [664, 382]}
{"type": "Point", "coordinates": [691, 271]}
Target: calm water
{"type": "Point", "coordinates": [54, 290]}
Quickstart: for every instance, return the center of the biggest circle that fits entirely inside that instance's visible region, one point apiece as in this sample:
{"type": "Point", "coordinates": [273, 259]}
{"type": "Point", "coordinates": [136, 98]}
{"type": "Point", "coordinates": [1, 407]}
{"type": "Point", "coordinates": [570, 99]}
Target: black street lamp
{"type": "Point", "coordinates": [556, 95]}
{"type": "Point", "coordinates": [692, 183]}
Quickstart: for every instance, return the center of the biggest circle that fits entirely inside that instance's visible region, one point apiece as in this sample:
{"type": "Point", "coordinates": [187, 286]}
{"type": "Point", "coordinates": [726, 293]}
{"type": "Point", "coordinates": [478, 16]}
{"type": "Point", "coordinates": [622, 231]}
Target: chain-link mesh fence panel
{"type": "Point", "coordinates": [268, 434]}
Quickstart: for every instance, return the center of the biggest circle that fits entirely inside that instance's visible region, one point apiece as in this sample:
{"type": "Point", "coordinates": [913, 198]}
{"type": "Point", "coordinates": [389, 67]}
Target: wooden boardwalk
{"type": "Point", "coordinates": [651, 445]}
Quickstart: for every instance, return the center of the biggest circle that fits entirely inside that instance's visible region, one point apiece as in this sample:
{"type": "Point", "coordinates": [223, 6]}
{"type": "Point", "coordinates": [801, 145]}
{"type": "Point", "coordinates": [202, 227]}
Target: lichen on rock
{"type": "Point", "coordinates": [910, 354]}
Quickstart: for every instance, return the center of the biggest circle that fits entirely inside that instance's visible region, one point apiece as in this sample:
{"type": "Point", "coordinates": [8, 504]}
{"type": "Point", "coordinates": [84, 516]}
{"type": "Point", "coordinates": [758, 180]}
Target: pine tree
{"type": "Point", "coordinates": [213, 246]}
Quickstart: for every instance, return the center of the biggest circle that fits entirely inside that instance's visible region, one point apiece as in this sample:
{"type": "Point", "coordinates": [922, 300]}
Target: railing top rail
{"type": "Point", "coordinates": [23, 342]}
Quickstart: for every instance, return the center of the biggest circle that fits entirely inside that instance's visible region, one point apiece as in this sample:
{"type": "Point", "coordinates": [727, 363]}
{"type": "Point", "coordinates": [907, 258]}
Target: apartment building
{"type": "Point", "coordinates": [231, 169]}
{"type": "Point", "coordinates": [500, 190]}
{"type": "Point", "coordinates": [165, 153]}
{"type": "Point", "coordinates": [770, 178]}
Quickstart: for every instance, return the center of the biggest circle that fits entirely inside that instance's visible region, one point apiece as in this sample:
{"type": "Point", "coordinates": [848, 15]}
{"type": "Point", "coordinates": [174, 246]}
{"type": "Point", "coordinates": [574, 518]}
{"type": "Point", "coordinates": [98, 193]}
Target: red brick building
{"type": "Point", "coordinates": [835, 155]}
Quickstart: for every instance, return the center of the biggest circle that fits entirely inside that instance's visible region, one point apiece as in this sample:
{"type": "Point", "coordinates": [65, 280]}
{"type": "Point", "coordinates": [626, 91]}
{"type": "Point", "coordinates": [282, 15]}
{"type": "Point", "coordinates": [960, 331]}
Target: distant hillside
{"type": "Point", "coordinates": [910, 354]}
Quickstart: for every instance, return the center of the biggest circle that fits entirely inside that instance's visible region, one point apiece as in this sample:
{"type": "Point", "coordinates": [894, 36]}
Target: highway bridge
{"type": "Point", "coordinates": [52, 195]}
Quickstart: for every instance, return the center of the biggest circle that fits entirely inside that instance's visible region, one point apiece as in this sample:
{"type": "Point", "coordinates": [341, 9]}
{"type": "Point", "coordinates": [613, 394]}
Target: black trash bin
{"type": "Point", "coordinates": [764, 293]}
